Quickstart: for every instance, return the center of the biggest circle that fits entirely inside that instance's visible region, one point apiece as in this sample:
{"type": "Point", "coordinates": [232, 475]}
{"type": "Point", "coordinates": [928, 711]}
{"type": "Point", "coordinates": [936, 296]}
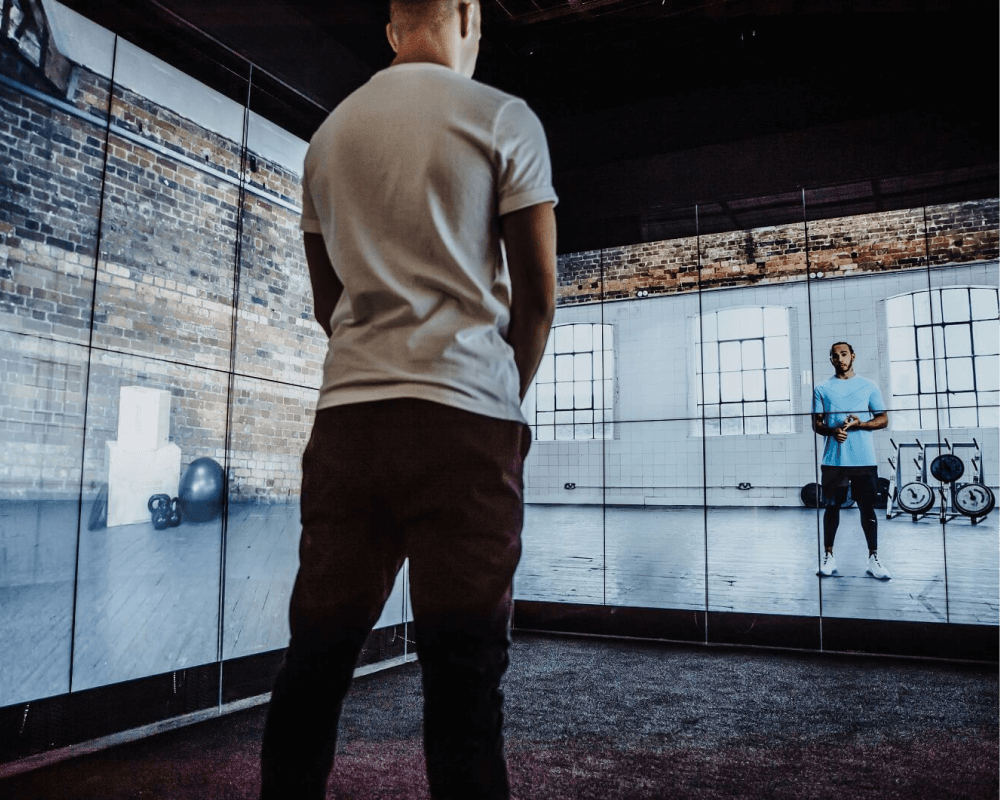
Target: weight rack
{"type": "Point", "coordinates": [917, 468]}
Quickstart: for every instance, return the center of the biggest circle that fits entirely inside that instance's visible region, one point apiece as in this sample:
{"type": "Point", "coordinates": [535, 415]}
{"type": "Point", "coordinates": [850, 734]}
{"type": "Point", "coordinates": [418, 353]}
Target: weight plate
{"type": "Point", "coordinates": [974, 499]}
{"type": "Point", "coordinates": [947, 467]}
{"type": "Point", "coordinates": [916, 498]}
{"type": "Point", "coordinates": [811, 495]}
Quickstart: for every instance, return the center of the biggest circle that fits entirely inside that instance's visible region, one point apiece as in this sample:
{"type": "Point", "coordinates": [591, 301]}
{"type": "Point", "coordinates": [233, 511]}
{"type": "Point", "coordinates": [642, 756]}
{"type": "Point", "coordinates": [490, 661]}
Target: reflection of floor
{"type": "Point", "coordinates": [760, 560]}
{"type": "Point", "coordinates": [37, 562]}
{"type": "Point", "coordinates": [261, 561]}
{"type": "Point", "coordinates": [148, 601]}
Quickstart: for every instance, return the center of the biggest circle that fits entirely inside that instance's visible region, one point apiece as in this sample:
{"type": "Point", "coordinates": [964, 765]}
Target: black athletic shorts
{"type": "Point", "coordinates": [863, 482]}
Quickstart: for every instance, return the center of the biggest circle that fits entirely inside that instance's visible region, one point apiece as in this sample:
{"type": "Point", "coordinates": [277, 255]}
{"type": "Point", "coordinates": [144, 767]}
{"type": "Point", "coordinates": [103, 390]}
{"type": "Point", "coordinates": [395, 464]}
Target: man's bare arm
{"type": "Point", "coordinates": [326, 286]}
{"type": "Point", "coordinates": [876, 423]}
{"type": "Point", "coordinates": [820, 426]}
{"type": "Point", "coordinates": [529, 236]}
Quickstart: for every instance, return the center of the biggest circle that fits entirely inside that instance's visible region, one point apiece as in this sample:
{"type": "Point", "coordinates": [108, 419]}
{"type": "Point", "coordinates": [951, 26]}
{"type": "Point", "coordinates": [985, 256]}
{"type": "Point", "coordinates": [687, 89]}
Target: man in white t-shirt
{"type": "Point", "coordinates": [429, 233]}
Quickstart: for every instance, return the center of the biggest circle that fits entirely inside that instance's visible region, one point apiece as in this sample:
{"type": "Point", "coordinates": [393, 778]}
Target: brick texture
{"type": "Point", "coordinates": [955, 233]}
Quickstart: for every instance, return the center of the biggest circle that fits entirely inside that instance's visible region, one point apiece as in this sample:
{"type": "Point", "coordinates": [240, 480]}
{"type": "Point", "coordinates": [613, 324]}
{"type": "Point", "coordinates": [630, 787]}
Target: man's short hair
{"type": "Point", "coordinates": [836, 343]}
{"type": "Point", "coordinates": [405, 15]}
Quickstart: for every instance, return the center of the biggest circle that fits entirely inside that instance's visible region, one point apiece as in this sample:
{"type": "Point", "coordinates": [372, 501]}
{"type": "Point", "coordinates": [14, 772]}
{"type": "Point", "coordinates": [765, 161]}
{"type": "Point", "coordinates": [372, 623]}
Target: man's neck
{"type": "Point", "coordinates": [844, 375]}
{"type": "Point", "coordinates": [421, 57]}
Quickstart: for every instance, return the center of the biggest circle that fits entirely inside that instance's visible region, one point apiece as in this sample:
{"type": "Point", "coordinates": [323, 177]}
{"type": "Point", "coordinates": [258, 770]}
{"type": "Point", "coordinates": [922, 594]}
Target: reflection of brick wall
{"type": "Point", "coordinates": [269, 430]}
{"type": "Point", "coordinates": [42, 386]}
{"type": "Point", "coordinates": [891, 240]}
{"type": "Point", "coordinates": [165, 282]}
{"type": "Point", "coordinates": [963, 232]}
{"type": "Point", "coordinates": [198, 400]}
{"type": "Point", "coordinates": [50, 170]}
{"type": "Point", "coordinates": [277, 335]}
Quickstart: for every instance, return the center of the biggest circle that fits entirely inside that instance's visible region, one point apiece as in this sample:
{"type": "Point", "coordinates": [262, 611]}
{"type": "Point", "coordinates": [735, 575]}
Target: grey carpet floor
{"type": "Point", "coordinates": [590, 718]}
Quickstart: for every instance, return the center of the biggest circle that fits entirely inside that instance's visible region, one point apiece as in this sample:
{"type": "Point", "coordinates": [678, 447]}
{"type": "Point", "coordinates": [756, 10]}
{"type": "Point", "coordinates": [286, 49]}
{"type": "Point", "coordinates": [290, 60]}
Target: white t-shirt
{"type": "Point", "coordinates": [406, 180]}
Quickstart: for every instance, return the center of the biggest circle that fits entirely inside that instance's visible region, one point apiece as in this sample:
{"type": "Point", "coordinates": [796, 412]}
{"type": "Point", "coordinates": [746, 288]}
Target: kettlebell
{"type": "Point", "coordinates": [174, 514]}
{"type": "Point", "coordinates": [159, 507]}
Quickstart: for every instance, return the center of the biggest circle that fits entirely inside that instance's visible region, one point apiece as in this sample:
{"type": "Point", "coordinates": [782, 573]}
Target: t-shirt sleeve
{"type": "Point", "coordinates": [309, 223]}
{"type": "Point", "coordinates": [525, 172]}
{"type": "Point", "coordinates": [875, 402]}
{"type": "Point", "coordinates": [818, 407]}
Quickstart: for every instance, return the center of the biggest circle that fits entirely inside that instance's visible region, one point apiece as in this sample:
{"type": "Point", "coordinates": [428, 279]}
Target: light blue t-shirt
{"type": "Point", "coordinates": [837, 398]}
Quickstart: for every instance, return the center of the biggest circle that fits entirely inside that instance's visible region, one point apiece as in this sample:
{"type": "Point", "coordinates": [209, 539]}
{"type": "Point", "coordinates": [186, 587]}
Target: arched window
{"type": "Point", "coordinates": [943, 357]}
{"type": "Point", "coordinates": [572, 396]}
{"type": "Point", "coordinates": [743, 379]}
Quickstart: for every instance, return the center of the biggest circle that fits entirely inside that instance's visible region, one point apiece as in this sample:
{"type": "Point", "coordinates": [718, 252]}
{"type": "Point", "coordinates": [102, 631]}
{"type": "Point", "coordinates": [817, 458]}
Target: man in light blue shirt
{"type": "Point", "coordinates": [846, 409]}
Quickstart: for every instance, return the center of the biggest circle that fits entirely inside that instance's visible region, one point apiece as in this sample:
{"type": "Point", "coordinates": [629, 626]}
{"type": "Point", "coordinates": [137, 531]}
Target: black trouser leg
{"type": "Point", "coordinates": [300, 734]}
{"type": "Point", "coordinates": [463, 709]}
{"type": "Point", "coordinates": [464, 542]}
{"type": "Point", "coordinates": [348, 561]}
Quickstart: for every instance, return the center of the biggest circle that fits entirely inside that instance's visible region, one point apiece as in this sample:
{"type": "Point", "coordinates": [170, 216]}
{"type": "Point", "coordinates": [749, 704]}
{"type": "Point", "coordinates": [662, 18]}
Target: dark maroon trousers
{"type": "Point", "coordinates": [382, 482]}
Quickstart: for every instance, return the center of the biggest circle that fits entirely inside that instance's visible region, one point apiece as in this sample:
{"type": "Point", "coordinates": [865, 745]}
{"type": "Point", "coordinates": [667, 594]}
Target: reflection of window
{"type": "Point", "coordinates": [743, 375]}
{"type": "Point", "coordinates": [574, 385]}
{"type": "Point", "coordinates": [943, 354]}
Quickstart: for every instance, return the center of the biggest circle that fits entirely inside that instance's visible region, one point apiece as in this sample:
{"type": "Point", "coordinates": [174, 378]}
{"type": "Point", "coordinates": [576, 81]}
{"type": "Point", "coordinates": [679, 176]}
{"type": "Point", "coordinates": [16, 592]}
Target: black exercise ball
{"type": "Point", "coordinates": [202, 490]}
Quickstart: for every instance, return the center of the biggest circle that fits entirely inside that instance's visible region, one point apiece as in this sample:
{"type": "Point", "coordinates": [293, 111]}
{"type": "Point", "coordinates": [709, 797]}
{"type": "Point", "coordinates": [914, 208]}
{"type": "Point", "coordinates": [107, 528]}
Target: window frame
{"type": "Point", "coordinates": [932, 407]}
{"type": "Point", "coordinates": [571, 400]}
{"type": "Point", "coordinates": [768, 423]}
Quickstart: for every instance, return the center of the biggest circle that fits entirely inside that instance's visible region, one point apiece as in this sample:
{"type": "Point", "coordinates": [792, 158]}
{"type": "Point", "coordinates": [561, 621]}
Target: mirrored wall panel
{"type": "Point", "coordinates": [655, 515]}
{"type": "Point", "coordinates": [269, 429]}
{"type": "Point", "coordinates": [43, 397]}
{"type": "Point", "coordinates": [961, 371]}
{"type": "Point", "coordinates": [570, 408]}
{"type": "Point", "coordinates": [148, 581]}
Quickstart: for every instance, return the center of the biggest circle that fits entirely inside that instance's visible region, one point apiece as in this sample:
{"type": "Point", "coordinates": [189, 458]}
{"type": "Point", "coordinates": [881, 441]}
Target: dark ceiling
{"type": "Point", "coordinates": [653, 106]}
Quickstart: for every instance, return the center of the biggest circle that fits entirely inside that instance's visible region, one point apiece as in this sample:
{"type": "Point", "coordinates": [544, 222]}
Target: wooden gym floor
{"type": "Point", "coordinates": [139, 601]}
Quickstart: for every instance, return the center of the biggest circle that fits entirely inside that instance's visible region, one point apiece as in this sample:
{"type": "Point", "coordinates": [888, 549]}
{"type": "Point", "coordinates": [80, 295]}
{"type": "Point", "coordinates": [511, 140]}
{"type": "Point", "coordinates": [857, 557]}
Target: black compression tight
{"type": "Point", "coordinates": [869, 524]}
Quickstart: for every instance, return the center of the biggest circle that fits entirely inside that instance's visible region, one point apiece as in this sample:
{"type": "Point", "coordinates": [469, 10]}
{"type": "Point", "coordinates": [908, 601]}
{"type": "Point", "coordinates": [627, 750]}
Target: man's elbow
{"type": "Point", "coordinates": [537, 304]}
{"type": "Point", "coordinates": [547, 307]}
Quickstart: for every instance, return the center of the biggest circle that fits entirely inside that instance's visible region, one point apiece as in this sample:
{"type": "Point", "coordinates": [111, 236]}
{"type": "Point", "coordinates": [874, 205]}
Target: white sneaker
{"type": "Point", "coordinates": [828, 565]}
{"type": "Point", "coordinates": [875, 568]}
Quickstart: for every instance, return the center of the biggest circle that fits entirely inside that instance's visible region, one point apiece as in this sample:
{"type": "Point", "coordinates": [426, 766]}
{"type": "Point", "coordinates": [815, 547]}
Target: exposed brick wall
{"type": "Point", "coordinates": [165, 302]}
{"type": "Point", "coordinates": [886, 241]}
{"type": "Point", "coordinates": [168, 255]}
{"type": "Point", "coordinates": [962, 232]}
{"type": "Point", "coordinates": [277, 335]}
{"type": "Point", "coordinates": [50, 181]}
{"type": "Point", "coordinates": [262, 467]}
{"type": "Point", "coordinates": [42, 388]}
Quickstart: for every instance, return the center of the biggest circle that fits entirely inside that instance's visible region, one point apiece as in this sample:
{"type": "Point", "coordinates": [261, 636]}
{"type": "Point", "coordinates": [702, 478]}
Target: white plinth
{"type": "Point", "coordinates": [143, 418]}
{"type": "Point", "coordinates": [136, 475]}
